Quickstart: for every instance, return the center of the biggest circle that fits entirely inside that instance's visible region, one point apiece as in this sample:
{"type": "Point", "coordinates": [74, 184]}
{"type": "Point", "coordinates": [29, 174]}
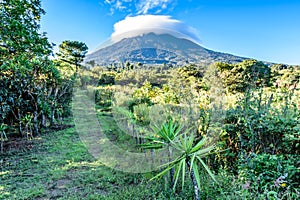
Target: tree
{"type": "Point", "coordinates": [242, 76]}
{"type": "Point", "coordinates": [24, 65]}
{"type": "Point", "coordinates": [107, 78]}
{"type": "Point", "coordinates": [190, 70]}
{"type": "Point", "coordinates": [19, 29]}
{"type": "Point", "coordinates": [27, 76]}
{"type": "Point", "coordinates": [70, 56]}
{"type": "Point", "coordinates": [73, 53]}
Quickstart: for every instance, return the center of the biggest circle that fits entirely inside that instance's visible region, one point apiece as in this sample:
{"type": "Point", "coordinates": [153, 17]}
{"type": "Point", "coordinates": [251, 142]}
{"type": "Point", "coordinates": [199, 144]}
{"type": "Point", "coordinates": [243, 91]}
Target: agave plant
{"type": "Point", "coordinates": [163, 137]}
{"type": "Point", "coordinates": [190, 157]}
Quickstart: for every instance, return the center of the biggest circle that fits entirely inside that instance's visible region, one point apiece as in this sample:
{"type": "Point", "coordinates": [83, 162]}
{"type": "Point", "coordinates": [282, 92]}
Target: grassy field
{"type": "Point", "coordinates": [58, 166]}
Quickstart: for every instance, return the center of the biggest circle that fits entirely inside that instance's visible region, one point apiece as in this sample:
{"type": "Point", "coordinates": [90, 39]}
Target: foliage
{"type": "Point", "coordinates": [164, 135]}
{"type": "Point", "coordinates": [103, 96]}
{"type": "Point", "coordinates": [72, 52]}
{"type": "Point", "coordinates": [257, 125]}
{"type": "Point", "coordinates": [145, 92]}
{"type": "Point", "coordinates": [35, 92]}
{"type": "Point", "coordinates": [24, 68]}
{"type": "Point", "coordinates": [191, 70]}
{"type": "Point", "coordinates": [19, 30]}
{"type": "Point", "coordinates": [240, 77]}
{"type": "Point", "coordinates": [141, 114]}
{"type": "Point", "coordinates": [265, 170]}
{"type": "Point", "coordinates": [190, 156]}
{"type": "Point", "coordinates": [107, 79]}
{"type": "Point", "coordinates": [284, 76]}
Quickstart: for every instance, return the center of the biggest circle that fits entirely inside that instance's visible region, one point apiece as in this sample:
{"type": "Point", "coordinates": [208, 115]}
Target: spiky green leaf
{"type": "Point", "coordinates": [207, 170]}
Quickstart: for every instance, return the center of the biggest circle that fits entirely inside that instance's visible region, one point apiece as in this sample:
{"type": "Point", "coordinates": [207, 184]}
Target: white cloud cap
{"type": "Point", "coordinates": [159, 24]}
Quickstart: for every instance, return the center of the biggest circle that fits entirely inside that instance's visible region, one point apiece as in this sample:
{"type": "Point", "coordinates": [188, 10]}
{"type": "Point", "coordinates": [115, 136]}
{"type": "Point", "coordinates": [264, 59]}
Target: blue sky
{"type": "Point", "coordinates": [267, 30]}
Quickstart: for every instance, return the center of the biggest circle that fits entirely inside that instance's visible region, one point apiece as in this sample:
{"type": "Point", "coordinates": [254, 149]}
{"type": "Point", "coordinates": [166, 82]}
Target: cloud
{"type": "Point", "coordinates": [145, 6]}
{"type": "Point", "coordinates": [139, 6]}
{"type": "Point", "coordinates": [121, 5]}
{"type": "Point", "coordinates": [159, 24]}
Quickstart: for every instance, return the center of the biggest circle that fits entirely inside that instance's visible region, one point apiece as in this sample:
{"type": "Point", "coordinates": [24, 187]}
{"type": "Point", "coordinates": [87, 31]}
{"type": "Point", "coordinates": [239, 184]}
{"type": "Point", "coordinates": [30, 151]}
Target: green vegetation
{"type": "Point", "coordinates": [35, 91]}
{"type": "Point", "coordinates": [242, 110]}
{"type": "Point", "coordinates": [224, 131]}
{"type": "Point", "coordinates": [58, 166]}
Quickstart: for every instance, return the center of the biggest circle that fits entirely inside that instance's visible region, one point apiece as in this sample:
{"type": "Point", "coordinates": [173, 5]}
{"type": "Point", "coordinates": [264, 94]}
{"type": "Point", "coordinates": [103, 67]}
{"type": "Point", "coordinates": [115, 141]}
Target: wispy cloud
{"type": "Point", "coordinates": [144, 6]}
{"type": "Point", "coordinates": [139, 6]}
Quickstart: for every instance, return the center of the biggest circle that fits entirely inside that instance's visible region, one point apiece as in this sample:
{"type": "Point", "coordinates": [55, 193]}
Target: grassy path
{"type": "Point", "coordinates": [100, 146]}
{"type": "Point", "coordinates": [57, 165]}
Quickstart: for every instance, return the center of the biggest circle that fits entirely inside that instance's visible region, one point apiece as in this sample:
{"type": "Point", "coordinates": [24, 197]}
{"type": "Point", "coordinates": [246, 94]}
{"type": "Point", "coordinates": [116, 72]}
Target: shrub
{"type": "Point", "coordinates": [276, 173]}
{"type": "Point", "coordinates": [103, 96]}
{"type": "Point", "coordinates": [141, 114]}
{"type": "Point", "coordinates": [107, 79]}
{"type": "Point", "coordinates": [258, 125]}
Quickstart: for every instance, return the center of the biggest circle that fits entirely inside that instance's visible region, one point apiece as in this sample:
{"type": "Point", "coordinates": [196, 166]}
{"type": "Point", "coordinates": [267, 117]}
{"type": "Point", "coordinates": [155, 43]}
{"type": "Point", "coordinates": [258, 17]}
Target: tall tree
{"type": "Point", "coordinates": [27, 76]}
{"type": "Point", "coordinates": [24, 64]}
{"type": "Point", "coordinates": [19, 29]}
{"type": "Point", "coordinates": [73, 53]}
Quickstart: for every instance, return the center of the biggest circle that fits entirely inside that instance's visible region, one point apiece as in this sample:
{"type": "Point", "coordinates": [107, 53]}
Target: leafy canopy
{"type": "Point", "coordinates": [72, 52]}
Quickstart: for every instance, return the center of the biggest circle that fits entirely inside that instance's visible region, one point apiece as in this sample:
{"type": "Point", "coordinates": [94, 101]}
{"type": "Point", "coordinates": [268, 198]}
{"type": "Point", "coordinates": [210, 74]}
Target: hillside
{"type": "Point", "coordinates": [152, 48]}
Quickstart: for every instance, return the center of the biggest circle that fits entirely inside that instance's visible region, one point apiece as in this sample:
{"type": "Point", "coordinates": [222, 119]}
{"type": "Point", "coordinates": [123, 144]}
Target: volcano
{"type": "Point", "coordinates": [153, 48]}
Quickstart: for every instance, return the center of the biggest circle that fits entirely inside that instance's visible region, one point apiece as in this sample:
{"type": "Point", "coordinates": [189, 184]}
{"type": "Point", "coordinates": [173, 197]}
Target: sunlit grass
{"type": "Point", "coordinates": [4, 173]}
{"type": "Point", "coordinates": [60, 167]}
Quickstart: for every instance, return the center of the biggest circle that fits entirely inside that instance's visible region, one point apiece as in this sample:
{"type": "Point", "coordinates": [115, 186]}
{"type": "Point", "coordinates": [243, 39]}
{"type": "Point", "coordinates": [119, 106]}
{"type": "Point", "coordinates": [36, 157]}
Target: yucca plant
{"type": "Point", "coordinates": [163, 137]}
{"type": "Point", "coordinates": [191, 156]}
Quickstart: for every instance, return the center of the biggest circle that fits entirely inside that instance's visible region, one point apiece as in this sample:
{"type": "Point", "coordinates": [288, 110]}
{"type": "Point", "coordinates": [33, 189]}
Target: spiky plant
{"type": "Point", "coordinates": [190, 157]}
{"type": "Point", "coordinates": [163, 137]}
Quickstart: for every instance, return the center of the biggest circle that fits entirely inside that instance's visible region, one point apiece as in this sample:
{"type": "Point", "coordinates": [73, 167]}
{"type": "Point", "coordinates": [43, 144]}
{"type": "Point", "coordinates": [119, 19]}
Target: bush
{"type": "Point", "coordinates": [103, 96]}
{"type": "Point", "coordinates": [141, 114]}
{"type": "Point", "coordinates": [107, 79]}
{"type": "Point", "coordinates": [259, 125]}
{"type": "Point", "coordinates": [276, 173]}
{"type": "Point", "coordinates": [136, 101]}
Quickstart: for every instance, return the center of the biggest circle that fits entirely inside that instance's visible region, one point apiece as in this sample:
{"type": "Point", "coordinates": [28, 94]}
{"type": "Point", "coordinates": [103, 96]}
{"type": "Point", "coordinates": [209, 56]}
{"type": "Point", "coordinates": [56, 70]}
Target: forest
{"type": "Point", "coordinates": [223, 131]}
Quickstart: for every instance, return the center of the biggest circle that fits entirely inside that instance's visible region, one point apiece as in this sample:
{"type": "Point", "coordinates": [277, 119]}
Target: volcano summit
{"type": "Point", "coordinates": [152, 48]}
{"type": "Point", "coordinates": [152, 39]}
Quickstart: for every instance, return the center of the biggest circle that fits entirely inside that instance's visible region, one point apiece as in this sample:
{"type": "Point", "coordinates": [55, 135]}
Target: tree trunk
{"type": "Point", "coordinates": [196, 189]}
{"type": "Point", "coordinates": [35, 122]}
{"type": "Point", "coordinates": [43, 120]}
{"type": "Point", "coordinates": [172, 171]}
{"type": "Point", "coordinates": [152, 158]}
{"type": "Point", "coordinates": [35, 114]}
{"type": "Point", "coordinates": [53, 106]}
{"type": "Point", "coordinates": [2, 140]}
{"type": "Point", "coordinates": [20, 124]}
{"type": "Point", "coordinates": [52, 116]}
{"type": "Point", "coordinates": [135, 134]}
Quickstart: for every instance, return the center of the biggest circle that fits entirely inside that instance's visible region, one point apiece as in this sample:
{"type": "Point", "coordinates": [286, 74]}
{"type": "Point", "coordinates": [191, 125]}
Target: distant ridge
{"type": "Point", "coordinates": [154, 48]}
